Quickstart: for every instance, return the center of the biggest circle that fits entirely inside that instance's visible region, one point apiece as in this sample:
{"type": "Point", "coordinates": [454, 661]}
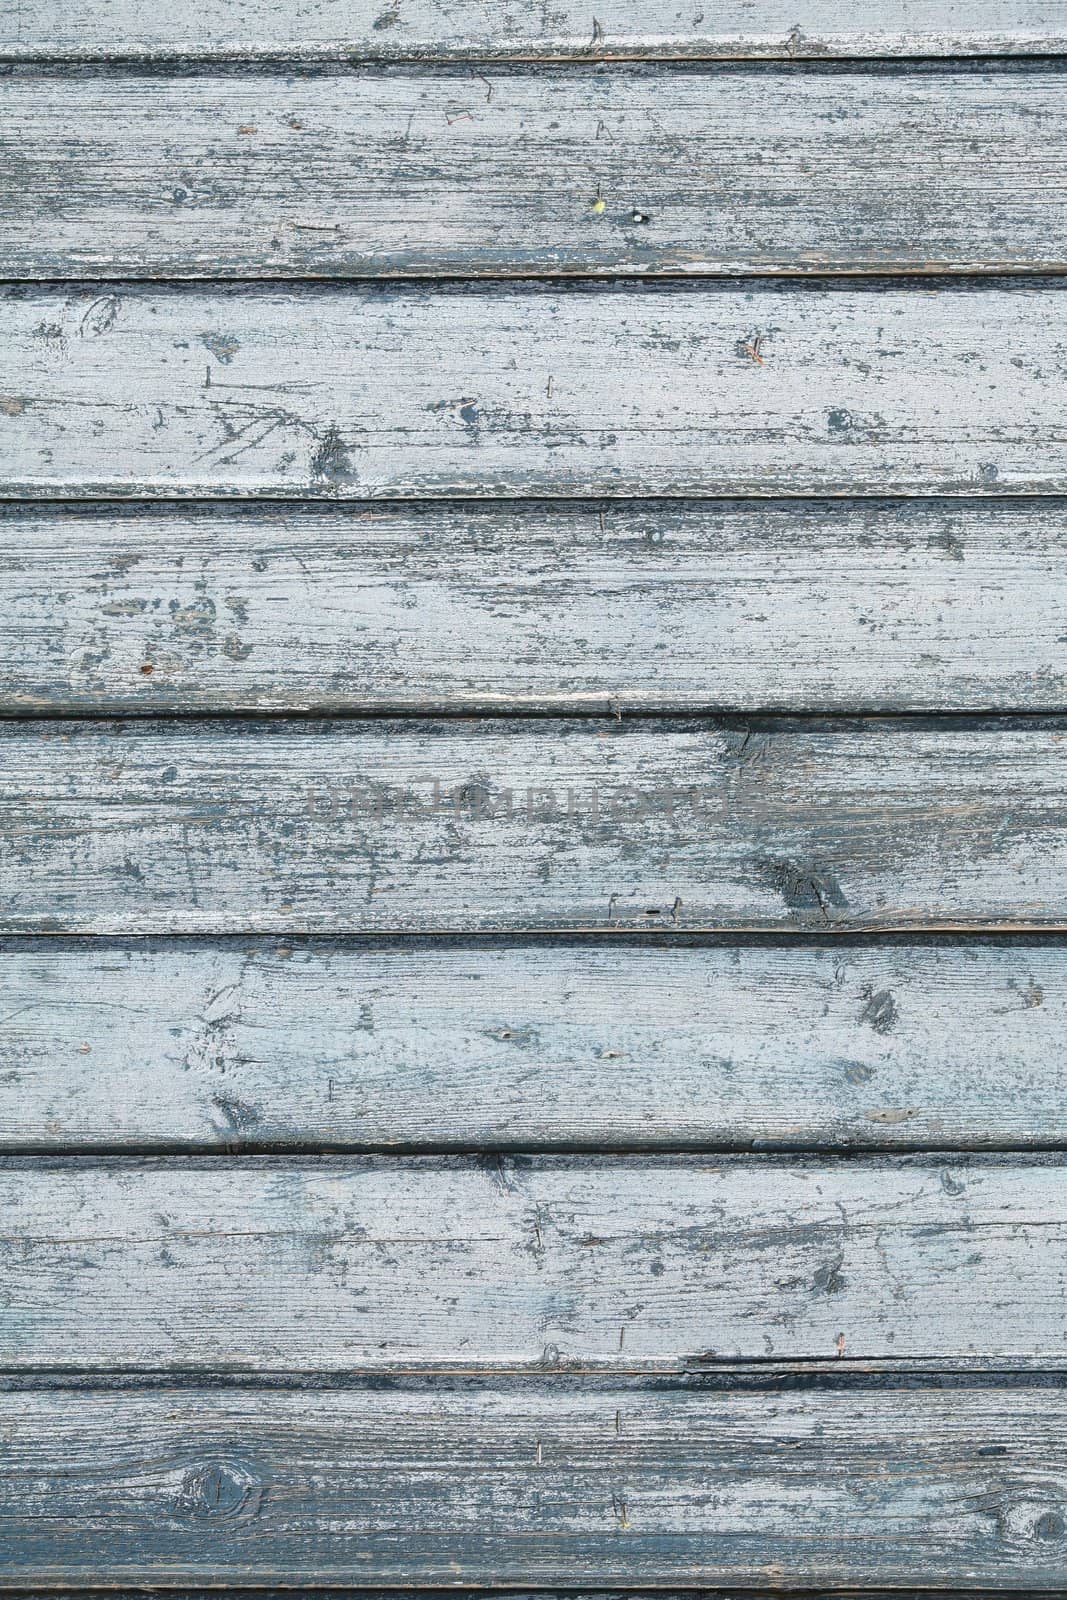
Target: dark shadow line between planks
{"type": "Point", "coordinates": [760, 1376]}
{"type": "Point", "coordinates": [997, 273]}
{"type": "Point", "coordinates": [146, 1591]}
{"type": "Point", "coordinates": [471, 940]}
{"type": "Point", "coordinates": [962, 936]}
{"type": "Point", "coordinates": [972, 278]}
{"type": "Point", "coordinates": [724, 716]}
{"type": "Point", "coordinates": [195, 1155]}
{"type": "Point", "coordinates": [543, 1591]}
{"type": "Point", "coordinates": [1014, 1158]}
{"type": "Point", "coordinates": [338, 56]}
{"type": "Point", "coordinates": [416, 66]}
{"type": "Point", "coordinates": [684, 720]}
{"type": "Point", "coordinates": [1006, 930]}
{"type": "Point", "coordinates": [178, 506]}
{"type": "Point", "coordinates": [1006, 927]}
{"type": "Point", "coordinates": [875, 283]}
{"type": "Point", "coordinates": [93, 496]}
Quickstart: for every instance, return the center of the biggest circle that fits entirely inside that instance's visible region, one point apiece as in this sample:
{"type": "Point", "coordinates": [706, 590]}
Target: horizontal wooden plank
{"type": "Point", "coordinates": [475, 29]}
{"type": "Point", "coordinates": [366, 391]}
{"type": "Point", "coordinates": [462, 1484]}
{"type": "Point", "coordinates": [530, 1046]}
{"type": "Point", "coordinates": [642, 170]}
{"type": "Point", "coordinates": [369, 1263]}
{"type": "Point", "coordinates": [224, 827]}
{"type": "Point", "coordinates": [395, 1592]}
{"type": "Point", "coordinates": [821, 606]}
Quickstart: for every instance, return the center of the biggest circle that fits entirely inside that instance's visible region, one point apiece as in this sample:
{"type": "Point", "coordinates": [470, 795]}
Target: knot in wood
{"type": "Point", "coordinates": [1034, 1520]}
{"type": "Point", "coordinates": [224, 1488]}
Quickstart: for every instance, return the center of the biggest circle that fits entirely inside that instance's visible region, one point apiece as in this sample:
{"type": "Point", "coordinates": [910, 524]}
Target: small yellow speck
{"type": "Point", "coordinates": [599, 205]}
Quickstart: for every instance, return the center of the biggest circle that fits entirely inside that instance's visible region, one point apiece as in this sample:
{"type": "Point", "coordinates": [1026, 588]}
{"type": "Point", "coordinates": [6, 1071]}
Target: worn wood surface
{"type": "Point", "coordinates": [672, 1188]}
{"type": "Point", "coordinates": [735, 606]}
{"type": "Point", "coordinates": [637, 170]}
{"type": "Point", "coordinates": [530, 1046]}
{"type": "Point", "coordinates": [360, 391]}
{"type": "Point", "coordinates": [478, 30]}
{"type": "Point", "coordinates": [354, 1263]}
{"type": "Point", "coordinates": [349, 1592]}
{"type": "Point", "coordinates": [369, 826]}
{"type": "Point", "coordinates": [363, 1592]}
{"type": "Point", "coordinates": [597, 1484]}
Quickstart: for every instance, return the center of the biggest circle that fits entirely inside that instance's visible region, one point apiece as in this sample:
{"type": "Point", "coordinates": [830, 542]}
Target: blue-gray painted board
{"type": "Point", "coordinates": [551, 1483]}
{"type": "Point", "coordinates": [228, 1045]}
{"type": "Point", "coordinates": [429, 826]}
{"type": "Point", "coordinates": [619, 606]}
{"type": "Point", "coordinates": [368, 391]}
{"type": "Point", "coordinates": [632, 1264]}
{"type": "Point", "coordinates": [377, 173]}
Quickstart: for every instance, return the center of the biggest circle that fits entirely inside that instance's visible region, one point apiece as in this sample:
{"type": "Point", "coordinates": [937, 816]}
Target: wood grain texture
{"type": "Point", "coordinates": [424, 827]}
{"type": "Point", "coordinates": [371, 1263]}
{"type": "Point", "coordinates": [530, 1046]}
{"type": "Point", "coordinates": [367, 391]}
{"type": "Point", "coordinates": [363, 1592]}
{"type": "Point", "coordinates": [381, 172]}
{"type": "Point", "coordinates": [467, 1484]}
{"type": "Point", "coordinates": [795, 605]}
{"type": "Point", "coordinates": [474, 29]}
{"type": "Point", "coordinates": [349, 1592]}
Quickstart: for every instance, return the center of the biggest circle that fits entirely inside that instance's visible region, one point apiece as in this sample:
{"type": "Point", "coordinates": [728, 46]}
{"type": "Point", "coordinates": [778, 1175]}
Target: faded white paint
{"type": "Point", "coordinates": [629, 1264]}
{"type": "Point", "coordinates": [526, 1046]}
{"type": "Point", "coordinates": [491, 28]}
{"type": "Point", "coordinates": [422, 173]}
{"type": "Point", "coordinates": [426, 391]}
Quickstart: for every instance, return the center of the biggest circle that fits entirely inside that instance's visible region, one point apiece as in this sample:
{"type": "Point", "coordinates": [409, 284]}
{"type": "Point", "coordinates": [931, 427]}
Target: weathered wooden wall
{"type": "Point", "coordinates": [533, 817]}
